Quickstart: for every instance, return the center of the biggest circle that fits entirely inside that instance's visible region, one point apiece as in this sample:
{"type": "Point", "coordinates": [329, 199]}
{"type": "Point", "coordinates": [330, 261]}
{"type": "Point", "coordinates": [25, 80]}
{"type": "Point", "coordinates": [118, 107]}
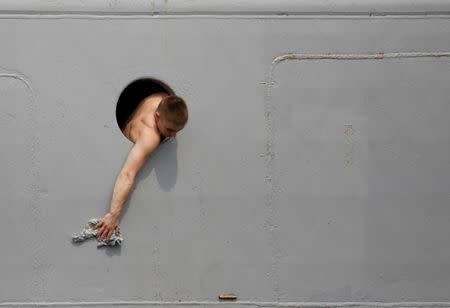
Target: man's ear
{"type": "Point", "coordinates": [157, 115]}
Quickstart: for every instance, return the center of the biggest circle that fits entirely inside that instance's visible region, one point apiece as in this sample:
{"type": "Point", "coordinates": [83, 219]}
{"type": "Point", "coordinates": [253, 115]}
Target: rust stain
{"type": "Point", "coordinates": [348, 146]}
{"type": "Point", "coordinates": [380, 55]}
{"type": "Point", "coordinates": [291, 56]}
{"type": "Point", "coordinates": [348, 130]}
{"type": "Point", "coordinates": [228, 296]}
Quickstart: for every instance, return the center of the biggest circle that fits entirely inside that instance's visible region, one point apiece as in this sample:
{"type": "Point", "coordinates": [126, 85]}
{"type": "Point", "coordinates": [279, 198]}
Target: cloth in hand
{"type": "Point", "coordinates": [89, 232]}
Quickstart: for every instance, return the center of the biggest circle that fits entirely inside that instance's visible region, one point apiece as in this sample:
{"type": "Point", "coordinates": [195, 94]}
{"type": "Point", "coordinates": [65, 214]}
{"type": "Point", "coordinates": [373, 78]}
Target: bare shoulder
{"type": "Point", "coordinates": [155, 98]}
{"type": "Point", "coordinates": [148, 137]}
{"type": "Point", "coordinates": [146, 143]}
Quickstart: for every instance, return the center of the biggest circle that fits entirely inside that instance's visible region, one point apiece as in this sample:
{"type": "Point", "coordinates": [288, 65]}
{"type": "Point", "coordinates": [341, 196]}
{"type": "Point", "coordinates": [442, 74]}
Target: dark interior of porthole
{"type": "Point", "coordinates": [134, 94]}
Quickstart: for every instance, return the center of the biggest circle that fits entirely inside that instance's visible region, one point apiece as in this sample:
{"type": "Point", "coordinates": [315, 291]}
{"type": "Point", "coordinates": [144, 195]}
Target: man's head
{"type": "Point", "coordinates": [171, 115]}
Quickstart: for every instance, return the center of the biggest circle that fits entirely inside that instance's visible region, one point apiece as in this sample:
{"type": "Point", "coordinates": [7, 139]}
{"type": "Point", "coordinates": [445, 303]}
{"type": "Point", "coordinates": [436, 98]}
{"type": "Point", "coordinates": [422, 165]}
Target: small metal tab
{"type": "Point", "coordinates": [228, 297]}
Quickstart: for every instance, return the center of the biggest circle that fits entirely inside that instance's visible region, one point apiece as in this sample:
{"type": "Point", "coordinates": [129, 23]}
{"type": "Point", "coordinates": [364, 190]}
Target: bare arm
{"type": "Point", "coordinates": [124, 182]}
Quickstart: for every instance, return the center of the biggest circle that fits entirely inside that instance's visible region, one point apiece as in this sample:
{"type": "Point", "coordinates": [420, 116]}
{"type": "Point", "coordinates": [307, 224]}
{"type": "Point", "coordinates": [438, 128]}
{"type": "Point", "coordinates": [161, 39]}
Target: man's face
{"type": "Point", "coordinates": [168, 129]}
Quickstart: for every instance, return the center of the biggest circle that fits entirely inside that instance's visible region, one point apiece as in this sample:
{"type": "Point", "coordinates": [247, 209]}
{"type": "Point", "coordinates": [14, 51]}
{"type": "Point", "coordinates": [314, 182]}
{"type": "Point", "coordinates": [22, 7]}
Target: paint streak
{"type": "Point", "coordinates": [349, 145]}
{"type": "Point", "coordinates": [197, 187]}
{"type": "Point", "coordinates": [269, 223]}
{"type": "Point", "coordinates": [157, 292]}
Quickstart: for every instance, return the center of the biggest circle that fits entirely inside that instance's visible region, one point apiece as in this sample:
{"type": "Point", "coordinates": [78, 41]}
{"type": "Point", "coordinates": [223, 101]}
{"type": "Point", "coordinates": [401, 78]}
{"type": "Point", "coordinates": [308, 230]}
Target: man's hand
{"type": "Point", "coordinates": [106, 226]}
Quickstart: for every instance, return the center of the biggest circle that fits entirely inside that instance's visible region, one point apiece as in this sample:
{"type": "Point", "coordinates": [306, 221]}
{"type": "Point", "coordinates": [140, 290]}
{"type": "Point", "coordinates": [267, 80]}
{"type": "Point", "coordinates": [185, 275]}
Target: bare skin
{"type": "Point", "coordinates": [144, 129]}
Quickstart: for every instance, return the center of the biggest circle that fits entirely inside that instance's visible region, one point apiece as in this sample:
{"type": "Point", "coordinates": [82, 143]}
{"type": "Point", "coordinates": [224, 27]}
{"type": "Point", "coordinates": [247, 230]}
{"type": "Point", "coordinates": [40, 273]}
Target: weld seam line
{"type": "Point", "coordinates": [96, 16]}
{"type": "Point", "coordinates": [238, 303]}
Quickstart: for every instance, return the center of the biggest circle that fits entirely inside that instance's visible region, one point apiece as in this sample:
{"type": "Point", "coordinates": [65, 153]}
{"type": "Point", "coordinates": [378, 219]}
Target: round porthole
{"type": "Point", "coordinates": [134, 94]}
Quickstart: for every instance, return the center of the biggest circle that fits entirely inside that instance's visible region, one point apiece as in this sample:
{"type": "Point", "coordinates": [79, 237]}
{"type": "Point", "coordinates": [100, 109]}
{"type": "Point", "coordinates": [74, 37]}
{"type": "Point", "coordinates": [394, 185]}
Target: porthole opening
{"type": "Point", "coordinates": [134, 94]}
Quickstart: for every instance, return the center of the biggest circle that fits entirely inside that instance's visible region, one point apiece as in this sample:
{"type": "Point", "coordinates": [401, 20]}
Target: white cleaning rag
{"type": "Point", "coordinates": [89, 232]}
